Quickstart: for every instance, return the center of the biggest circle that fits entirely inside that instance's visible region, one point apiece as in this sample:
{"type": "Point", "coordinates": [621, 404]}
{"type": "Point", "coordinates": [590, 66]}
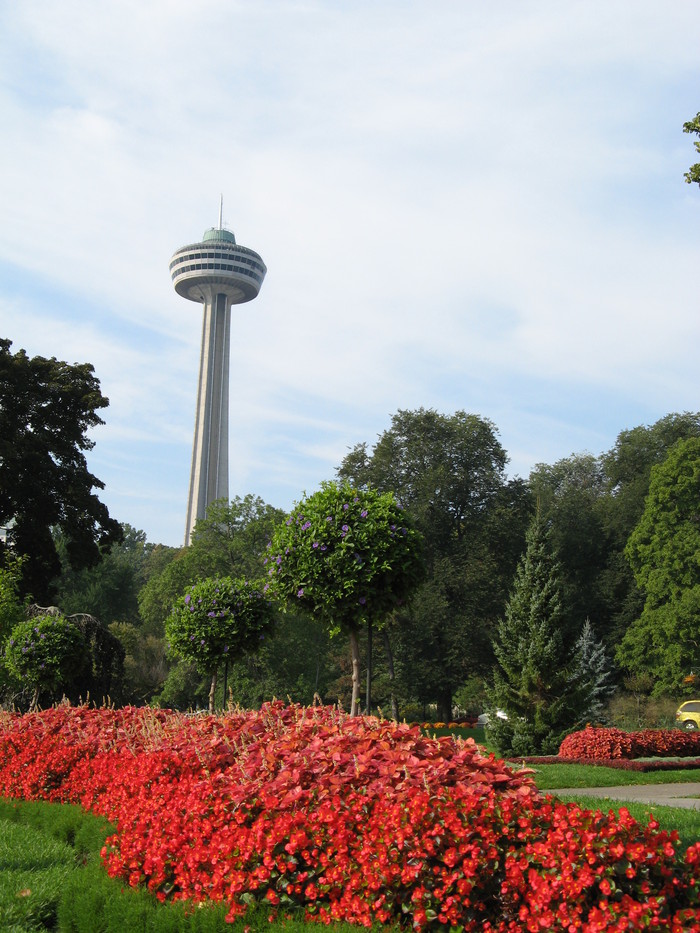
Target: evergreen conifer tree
{"type": "Point", "coordinates": [537, 678]}
{"type": "Point", "coordinates": [595, 672]}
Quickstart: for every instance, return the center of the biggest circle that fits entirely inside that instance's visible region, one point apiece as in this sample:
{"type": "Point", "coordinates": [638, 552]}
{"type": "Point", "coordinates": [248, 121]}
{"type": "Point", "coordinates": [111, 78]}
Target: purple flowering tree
{"type": "Point", "coordinates": [216, 619]}
{"type": "Point", "coordinates": [348, 557]}
{"type": "Point", "coordinates": [44, 653]}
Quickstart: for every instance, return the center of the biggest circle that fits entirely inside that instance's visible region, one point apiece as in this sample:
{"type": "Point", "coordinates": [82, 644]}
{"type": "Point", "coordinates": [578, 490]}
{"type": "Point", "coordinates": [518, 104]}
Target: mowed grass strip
{"type": "Point", "coordinates": [33, 871]}
{"type": "Point", "coordinates": [550, 777]}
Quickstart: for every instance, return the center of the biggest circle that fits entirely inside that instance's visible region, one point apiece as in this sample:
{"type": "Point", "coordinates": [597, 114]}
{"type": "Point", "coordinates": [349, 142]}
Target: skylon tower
{"type": "Point", "coordinates": [218, 273]}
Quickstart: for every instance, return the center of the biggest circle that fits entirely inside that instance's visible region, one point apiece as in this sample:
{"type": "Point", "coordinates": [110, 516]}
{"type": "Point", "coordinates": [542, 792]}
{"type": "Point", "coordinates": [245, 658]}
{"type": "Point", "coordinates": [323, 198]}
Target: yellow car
{"type": "Point", "coordinates": [688, 715]}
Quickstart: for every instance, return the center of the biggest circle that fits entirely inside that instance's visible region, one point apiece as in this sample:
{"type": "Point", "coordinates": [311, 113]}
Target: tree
{"type": "Point", "coordinates": [230, 541]}
{"type": "Point", "coordinates": [663, 551]}
{"type": "Point", "coordinates": [109, 590]}
{"type": "Point", "coordinates": [569, 495]}
{"type": "Point", "coordinates": [595, 673]}
{"type": "Point", "coordinates": [218, 618]}
{"type": "Point", "coordinates": [448, 472]}
{"type": "Point", "coordinates": [348, 557]}
{"type": "Point", "coordinates": [693, 126]}
{"type": "Point", "coordinates": [12, 609]}
{"type": "Point", "coordinates": [44, 653]}
{"type": "Point", "coordinates": [537, 684]}
{"type": "Point", "coordinates": [46, 408]}
{"type": "Point", "coordinates": [627, 469]}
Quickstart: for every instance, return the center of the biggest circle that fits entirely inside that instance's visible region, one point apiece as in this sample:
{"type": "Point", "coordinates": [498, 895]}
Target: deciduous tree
{"type": "Point", "coordinates": [693, 126]}
{"type": "Point", "coordinates": [46, 409]}
{"type": "Point", "coordinates": [663, 551]}
{"type": "Point", "coordinates": [448, 472]}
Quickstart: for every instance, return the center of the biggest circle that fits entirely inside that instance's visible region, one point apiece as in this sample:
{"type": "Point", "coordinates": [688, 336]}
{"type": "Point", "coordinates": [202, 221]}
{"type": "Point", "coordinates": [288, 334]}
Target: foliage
{"type": "Point", "coordinates": [309, 812]}
{"type": "Point", "coordinates": [219, 617]}
{"type": "Point", "coordinates": [145, 663]}
{"type": "Point", "coordinates": [537, 681]}
{"type": "Point", "coordinates": [693, 126]}
{"type": "Point", "coordinates": [237, 532]}
{"type": "Point", "coordinates": [230, 541]}
{"type": "Point", "coordinates": [108, 591]}
{"type": "Point", "coordinates": [448, 473]}
{"type": "Point", "coordinates": [45, 652]}
{"type": "Point", "coordinates": [46, 410]}
{"type": "Point", "coordinates": [627, 470]}
{"type": "Point", "coordinates": [594, 672]}
{"type": "Point", "coordinates": [634, 711]}
{"type": "Point", "coordinates": [595, 743]}
{"type": "Point", "coordinates": [12, 609]}
{"type": "Point", "coordinates": [663, 553]}
{"type": "Point", "coordinates": [346, 556]}
{"type": "Point", "coordinates": [571, 496]}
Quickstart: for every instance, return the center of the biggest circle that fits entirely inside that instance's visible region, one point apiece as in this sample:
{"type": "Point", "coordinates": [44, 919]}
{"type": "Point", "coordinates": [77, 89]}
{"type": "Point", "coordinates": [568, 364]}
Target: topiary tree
{"type": "Point", "coordinates": [348, 557]}
{"type": "Point", "coordinates": [217, 618]}
{"type": "Point", "coordinates": [45, 653]}
{"type": "Point", "coordinates": [537, 681]}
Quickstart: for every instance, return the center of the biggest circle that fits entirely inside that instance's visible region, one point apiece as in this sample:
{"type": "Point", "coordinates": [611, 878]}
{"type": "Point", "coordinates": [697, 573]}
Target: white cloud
{"type": "Point", "coordinates": [463, 205]}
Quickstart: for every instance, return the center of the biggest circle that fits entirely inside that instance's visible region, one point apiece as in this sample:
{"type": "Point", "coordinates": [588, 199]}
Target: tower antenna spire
{"type": "Point", "coordinates": [221, 213]}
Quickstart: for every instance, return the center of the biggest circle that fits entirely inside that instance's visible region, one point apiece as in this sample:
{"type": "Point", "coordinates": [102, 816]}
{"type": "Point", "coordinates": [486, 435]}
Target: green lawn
{"type": "Point", "coordinates": [550, 777]}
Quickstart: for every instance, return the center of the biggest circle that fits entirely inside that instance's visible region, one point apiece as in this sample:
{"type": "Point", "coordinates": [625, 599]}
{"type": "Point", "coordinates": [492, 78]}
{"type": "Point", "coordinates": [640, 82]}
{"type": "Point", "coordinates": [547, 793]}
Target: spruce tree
{"type": "Point", "coordinates": [595, 672]}
{"type": "Point", "coordinates": [537, 679]}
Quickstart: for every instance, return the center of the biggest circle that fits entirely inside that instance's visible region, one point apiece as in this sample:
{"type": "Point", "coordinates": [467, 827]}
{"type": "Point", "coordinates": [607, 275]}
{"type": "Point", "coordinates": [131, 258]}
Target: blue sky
{"type": "Point", "coordinates": [462, 204]}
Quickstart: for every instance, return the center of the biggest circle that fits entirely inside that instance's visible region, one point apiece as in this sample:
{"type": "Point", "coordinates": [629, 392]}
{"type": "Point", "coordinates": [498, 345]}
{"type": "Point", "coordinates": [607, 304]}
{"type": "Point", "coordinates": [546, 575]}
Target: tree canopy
{"type": "Point", "coordinates": [664, 553]}
{"type": "Point", "coordinates": [347, 556]}
{"type": "Point", "coordinates": [46, 409]}
{"type": "Point", "coordinates": [693, 126]}
{"type": "Point", "coordinates": [216, 618]}
{"type": "Point", "coordinates": [448, 472]}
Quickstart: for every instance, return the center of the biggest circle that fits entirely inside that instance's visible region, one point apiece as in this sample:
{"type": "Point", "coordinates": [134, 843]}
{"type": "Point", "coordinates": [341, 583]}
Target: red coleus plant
{"type": "Point", "coordinates": [597, 743]}
{"type": "Point", "coordinates": [344, 818]}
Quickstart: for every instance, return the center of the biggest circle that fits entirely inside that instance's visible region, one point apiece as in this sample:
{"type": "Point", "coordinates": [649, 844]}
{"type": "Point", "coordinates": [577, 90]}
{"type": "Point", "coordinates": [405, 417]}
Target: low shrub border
{"type": "Point", "coordinates": [622, 764]}
{"type": "Point", "coordinates": [308, 811]}
{"type": "Point", "coordinates": [608, 743]}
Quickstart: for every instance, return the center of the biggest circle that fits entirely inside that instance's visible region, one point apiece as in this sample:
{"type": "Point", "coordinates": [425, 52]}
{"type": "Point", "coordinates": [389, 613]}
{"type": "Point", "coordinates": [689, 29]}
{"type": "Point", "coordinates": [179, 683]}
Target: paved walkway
{"type": "Point", "coordinates": [667, 795]}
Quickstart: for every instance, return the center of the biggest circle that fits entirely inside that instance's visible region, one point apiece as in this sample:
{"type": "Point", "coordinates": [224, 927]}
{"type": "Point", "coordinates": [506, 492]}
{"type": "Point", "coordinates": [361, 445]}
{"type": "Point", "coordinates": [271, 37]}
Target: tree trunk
{"type": "Point", "coordinates": [444, 705]}
{"type": "Point", "coordinates": [34, 705]}
{"type": "Point", "coordinates": [368, 696]}
{"type": "Point", "coordinates": [355, 655]}
{"type": "Point", "coordinates": [212, 691]}
{"type": "Point", "coordinates": [390, 668]}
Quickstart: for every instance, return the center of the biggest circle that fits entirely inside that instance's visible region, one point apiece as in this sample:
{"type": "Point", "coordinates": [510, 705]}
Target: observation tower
{"type": "Point", "coordinates": [217, 273]}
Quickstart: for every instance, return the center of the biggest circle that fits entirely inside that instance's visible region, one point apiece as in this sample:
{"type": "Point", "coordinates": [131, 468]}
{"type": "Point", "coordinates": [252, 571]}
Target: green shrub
{"type": "Point", "coordinates": [635, 711]}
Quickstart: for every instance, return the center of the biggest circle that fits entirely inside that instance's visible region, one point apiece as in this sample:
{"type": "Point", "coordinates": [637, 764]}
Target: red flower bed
{"type": "Point", "coordinates": [592, 743]}
{"type": "Point", "coordinates": [346, 819]}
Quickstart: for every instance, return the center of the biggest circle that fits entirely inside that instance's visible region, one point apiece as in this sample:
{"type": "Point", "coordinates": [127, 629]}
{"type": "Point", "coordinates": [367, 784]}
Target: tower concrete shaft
{"type": "Point", "coordinates": [218, 273]}
{"type": "Point", "coordinates": [209, 474]}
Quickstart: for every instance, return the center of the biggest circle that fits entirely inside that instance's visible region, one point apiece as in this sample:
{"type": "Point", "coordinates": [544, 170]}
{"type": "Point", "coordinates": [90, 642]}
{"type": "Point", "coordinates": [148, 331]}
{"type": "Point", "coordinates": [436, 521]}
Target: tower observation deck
{"type": "Point", "coordinates": [218, 273]}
